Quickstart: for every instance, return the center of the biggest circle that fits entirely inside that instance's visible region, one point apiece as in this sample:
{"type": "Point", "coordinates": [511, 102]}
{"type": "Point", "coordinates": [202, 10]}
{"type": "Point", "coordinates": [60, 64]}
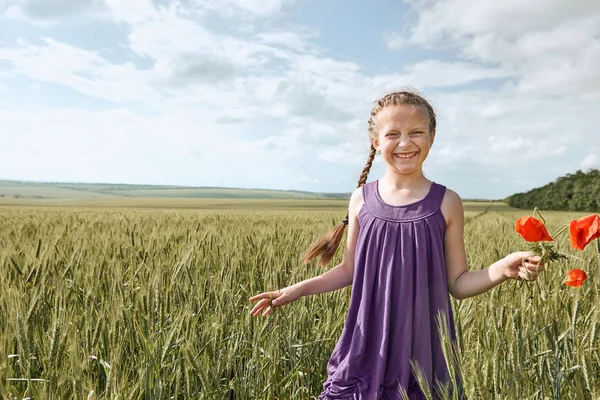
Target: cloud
{"type": "Point", "coordinates": [84, 71]}
{"type": "Point", "coordinates": [525, 149]}
{"type": "Point", "coordinates": [454, 20]}
{"type": "Point", "coordinates": [45, 13]}
{"type": "Point", "coordinates": [230, 8]}
{"type": "Point", "coordinates": [590, 161]}
{"type": "Point", "coordinates": [119, 146]}
{"type": "Point", "coordinates": [135, 11]}
{"type": "Point", "coordinates": [299, 41]}
{"type": "Point", "coordinates": [239, 97]}
{"type": "Point", "coordinates": [549, 47]}
{"type": "Point", "coordinates": [394, 40]}
{"type": "Point", "coordinates": [438, 74]}
{"type": "Point", "coordinates": [46, 10]}
{"type": "Point", "coordinates": [190, 68]}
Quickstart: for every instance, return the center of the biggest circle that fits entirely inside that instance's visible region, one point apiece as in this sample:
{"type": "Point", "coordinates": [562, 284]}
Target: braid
{"type": "Point", "coordinates": [364, 175]}
{"type": "Point", "coordinates": [365, 172]}
{"type": "Point", "coordinates": [327, 245]}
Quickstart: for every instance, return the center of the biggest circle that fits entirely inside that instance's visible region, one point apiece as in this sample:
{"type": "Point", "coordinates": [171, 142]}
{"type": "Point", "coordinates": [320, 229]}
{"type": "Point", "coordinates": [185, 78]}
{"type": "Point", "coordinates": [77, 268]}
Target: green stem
{"type": "Point", "coordinates": [535, 210]}
{"type": "Point", "coordinates": [598, 248]}
{"type": "Point", "coordinates": [560, 230]}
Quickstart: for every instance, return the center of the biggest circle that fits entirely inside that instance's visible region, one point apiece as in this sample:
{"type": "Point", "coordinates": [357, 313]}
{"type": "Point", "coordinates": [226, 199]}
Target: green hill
{"type": "Point", "coordinates": [68, 191]}
{"type": "Point", "coordinates": [573, 192]}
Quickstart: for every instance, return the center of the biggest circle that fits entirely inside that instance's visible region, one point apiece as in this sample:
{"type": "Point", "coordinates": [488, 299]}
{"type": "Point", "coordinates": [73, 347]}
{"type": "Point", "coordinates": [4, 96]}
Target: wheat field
{"type": "Point", "coordinates": [153, 304]}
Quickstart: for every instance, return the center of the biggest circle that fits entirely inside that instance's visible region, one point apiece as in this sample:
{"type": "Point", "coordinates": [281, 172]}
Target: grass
{"type": "Point", "coordinates": [153, 303]}
{"type": "Point", "coordinates": [69, 192]}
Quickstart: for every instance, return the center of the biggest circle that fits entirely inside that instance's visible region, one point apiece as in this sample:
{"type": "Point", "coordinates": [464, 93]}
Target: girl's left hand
{"type": "Point", "coordinates": [523, 264]}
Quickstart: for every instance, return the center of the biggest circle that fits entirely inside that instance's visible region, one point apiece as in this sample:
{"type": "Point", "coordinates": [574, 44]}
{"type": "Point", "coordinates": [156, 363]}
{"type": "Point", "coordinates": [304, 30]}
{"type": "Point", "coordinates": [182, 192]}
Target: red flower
{"type": "Point", "coordinates": [584, 230]}
{"type": "Point", "coordinates": [575, 277]}
{"type": "Point", "coordinates": [532, 230]}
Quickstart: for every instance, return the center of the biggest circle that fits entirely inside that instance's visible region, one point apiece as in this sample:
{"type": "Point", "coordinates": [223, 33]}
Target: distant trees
{"type": "Point", "coordinates": [573, 192]}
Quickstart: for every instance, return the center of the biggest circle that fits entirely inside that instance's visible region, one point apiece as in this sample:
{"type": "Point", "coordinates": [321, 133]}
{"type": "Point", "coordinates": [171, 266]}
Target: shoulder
{"type": "Point", "coordinates": [452, 206]}
{"type": "Point", "coordinates": [356, 200]}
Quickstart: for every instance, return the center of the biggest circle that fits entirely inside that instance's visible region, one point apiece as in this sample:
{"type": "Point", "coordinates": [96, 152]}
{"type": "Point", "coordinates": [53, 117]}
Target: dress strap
{"type": "Point", "coordinates": [369, 194]}
{"type": "Point", "coordinates": [428, 205]}
{"type": "Point", "coordinates": [437, 195]}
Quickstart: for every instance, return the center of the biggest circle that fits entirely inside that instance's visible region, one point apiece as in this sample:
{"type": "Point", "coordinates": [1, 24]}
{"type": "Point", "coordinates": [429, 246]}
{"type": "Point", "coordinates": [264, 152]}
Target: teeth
{"type": "Point", "coordinates": [405, 155]}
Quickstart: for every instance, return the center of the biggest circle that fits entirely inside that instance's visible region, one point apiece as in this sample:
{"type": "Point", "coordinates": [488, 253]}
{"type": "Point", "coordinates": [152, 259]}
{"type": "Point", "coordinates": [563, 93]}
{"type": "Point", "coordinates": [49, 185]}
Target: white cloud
{"type": "Point", "coordinates": [45, 10]}
{"type": "Point", "coordinates": [254, 102]}
{"type": "Point", "coordinates": [550, 47]}
{"type": "Point", "coordinates": [253, 7]}
{"type": "Point", "coordinates": [524, 149]}
{"type": "Point", "coordinates": [590, 161]}
{"type": "Point", "coordinates": [440, 20]}
{"type": "Point", "coordinates": [84, 71]}
{"type": "Point", "coordinates": [394, 40]}
{"type": "Point", "coordinates": [119, 146]}
{"type": "Point", "coordinates": [448, 155]}
{"type": "Point", "coordinates": [438, 74]}
{"type": "Point", "coordinates": [130, 11]}
{"type": "Point", "coordinates": [300, 41]}
{"type": "Point", "coordinates": [46, 13]}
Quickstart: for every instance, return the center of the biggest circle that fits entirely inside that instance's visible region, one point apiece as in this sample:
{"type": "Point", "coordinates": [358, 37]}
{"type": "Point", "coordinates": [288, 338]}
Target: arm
{"type": "Point", "coordinates": [342, 274]}
{"type": "Point", "coordinates": [336, 278]}
{"type": "Point", "coordinates": [463, 283]}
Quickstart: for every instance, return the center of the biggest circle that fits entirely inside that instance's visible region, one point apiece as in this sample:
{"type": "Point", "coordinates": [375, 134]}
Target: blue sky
{"type": "Point", "coordinates": [276, 93]}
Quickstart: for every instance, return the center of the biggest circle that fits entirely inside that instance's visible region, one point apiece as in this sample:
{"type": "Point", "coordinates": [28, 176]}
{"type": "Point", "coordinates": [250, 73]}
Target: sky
{"type": "Point", "coordinates": [276, 94]}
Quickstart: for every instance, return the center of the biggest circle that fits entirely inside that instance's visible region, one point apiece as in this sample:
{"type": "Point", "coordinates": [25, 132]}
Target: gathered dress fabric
{"type": "Point", "coordinates": [399, 288]}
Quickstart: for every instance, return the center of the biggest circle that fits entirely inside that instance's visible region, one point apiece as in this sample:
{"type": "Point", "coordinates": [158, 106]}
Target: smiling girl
{"type": "Point", "coordinates": [404, 256]}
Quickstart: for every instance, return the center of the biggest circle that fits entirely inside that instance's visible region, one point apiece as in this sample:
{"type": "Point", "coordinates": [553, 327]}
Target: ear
{"type": "Point", "coordinates": [432, 138]}
{"type": "Point", "coordinates": [374, 141]}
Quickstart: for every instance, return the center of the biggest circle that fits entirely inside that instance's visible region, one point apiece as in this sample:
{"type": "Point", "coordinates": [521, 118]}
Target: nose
{"type": "Point", "coordinates": [404, 141]}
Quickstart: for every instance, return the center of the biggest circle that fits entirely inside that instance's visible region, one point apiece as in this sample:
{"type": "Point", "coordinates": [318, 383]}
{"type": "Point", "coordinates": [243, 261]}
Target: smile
{"type": "Point", "coordinates": [405, 155]}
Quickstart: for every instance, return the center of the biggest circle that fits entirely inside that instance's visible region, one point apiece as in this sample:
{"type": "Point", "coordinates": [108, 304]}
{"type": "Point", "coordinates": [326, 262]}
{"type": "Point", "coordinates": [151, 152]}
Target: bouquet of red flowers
{"type": "Point", "coordinates": [582, 232]}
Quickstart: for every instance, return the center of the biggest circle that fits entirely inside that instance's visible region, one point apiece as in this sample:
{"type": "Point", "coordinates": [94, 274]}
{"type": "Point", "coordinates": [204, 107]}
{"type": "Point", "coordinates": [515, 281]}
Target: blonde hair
{"type": "Point", "coordinates": [327, 245]}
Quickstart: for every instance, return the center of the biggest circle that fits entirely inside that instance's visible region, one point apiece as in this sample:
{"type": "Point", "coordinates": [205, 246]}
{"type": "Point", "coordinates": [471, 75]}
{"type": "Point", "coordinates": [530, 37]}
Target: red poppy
{"type": "Point", "coordinates": [532, 230]}
{"type": "Point", "coordinates": [584, 230]}
{"type": "Point", "coordinates": [575, 277]}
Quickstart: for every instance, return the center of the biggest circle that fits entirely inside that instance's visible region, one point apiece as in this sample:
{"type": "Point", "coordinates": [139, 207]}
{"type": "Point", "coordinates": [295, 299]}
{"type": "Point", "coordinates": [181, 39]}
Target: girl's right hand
{"type": "Point", "coordinates": [269, 300]}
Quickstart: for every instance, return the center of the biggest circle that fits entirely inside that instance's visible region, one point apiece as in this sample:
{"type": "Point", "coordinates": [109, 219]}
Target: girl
{"type": "Point", "coordinates": [404, 253]}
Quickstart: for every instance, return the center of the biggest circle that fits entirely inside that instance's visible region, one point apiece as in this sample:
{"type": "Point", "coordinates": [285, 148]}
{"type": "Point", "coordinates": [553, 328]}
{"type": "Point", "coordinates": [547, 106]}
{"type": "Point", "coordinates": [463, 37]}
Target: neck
{"type": "Point", "coordinates": [402, 181]}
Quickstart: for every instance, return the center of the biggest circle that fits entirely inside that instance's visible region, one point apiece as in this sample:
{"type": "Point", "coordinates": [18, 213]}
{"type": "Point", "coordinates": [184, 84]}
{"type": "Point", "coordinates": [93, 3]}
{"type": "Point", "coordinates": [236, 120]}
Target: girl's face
{"type": "Point", "coordinates": [403, 137]}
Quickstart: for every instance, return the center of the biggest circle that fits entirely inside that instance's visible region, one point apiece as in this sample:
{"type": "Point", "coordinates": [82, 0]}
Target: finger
{"type": "Point", "coordinates": [535, 267]}
{"type": "Point", "coordinates": [264, 295]}
{"type": "Point", "coordinates": [267, 311]}
{"type": "Point", "coordinates": [259, 306]}
{"type": "Point", "coordinates": [523, 272]}
{"type": "Point", "coordinates": [523, 276]}
{"type": "Point", "coordinates": [528, 271]}
{"type": "Point", "coordinates": [530, 274]}
{"type": "Point", "coordinates": [524, 254]}
{"type": "Point", "coordinates": [533, 259]}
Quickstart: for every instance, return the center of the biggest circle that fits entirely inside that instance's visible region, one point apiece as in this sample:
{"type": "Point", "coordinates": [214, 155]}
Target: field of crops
{"type": "Point", "coordinates": [153, 303]}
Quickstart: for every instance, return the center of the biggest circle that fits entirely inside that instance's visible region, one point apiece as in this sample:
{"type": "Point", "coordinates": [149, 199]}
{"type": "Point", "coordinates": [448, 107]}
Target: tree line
{"type": "Point", "coordinates": [573, 192]}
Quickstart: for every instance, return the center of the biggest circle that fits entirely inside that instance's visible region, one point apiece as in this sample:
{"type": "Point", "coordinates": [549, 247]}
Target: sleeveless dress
{"type": "Point", "coordinates": [399, 287]}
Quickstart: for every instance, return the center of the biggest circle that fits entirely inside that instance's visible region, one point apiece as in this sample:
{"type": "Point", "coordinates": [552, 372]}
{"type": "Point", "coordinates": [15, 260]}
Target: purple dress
{"type": "Point", "coordinates": [399, 286]}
